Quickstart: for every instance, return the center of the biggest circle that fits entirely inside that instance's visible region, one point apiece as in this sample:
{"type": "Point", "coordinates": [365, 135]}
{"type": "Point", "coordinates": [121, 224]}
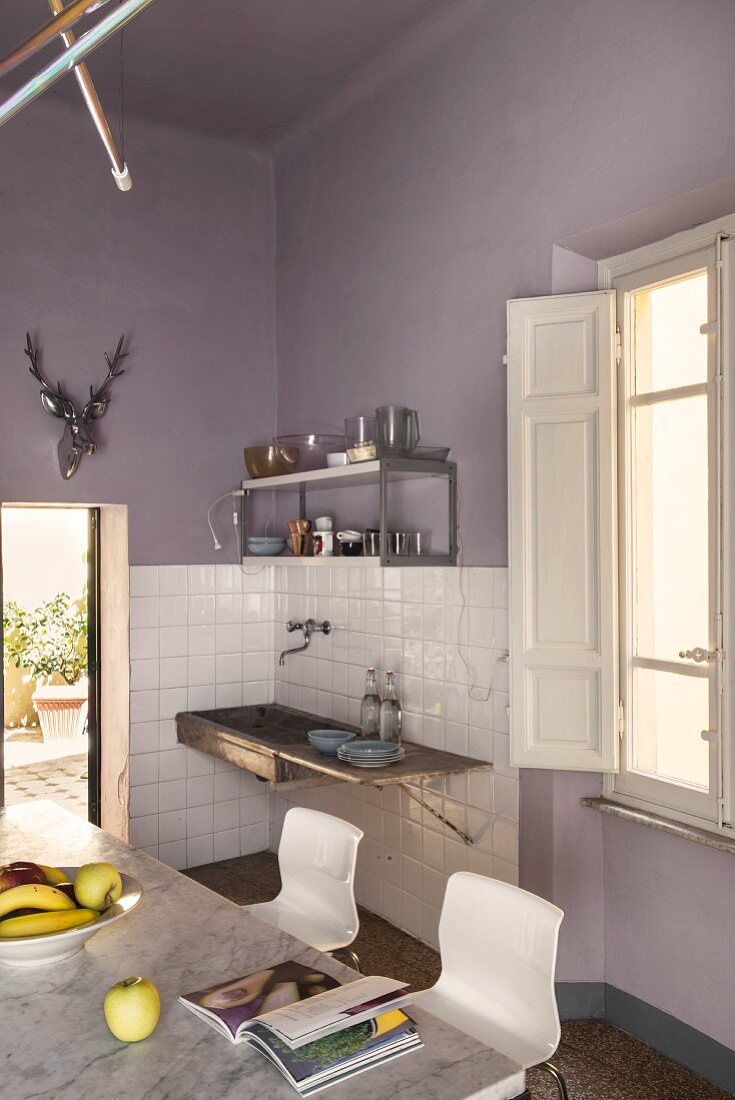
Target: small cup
{"type": "Point", "coordinates": [398, 543]}
{"type": "Point", "coordinates": [419, 542]}
{"type": "Point", "coordinates": [371, 542]}
{"type": "Point", "coordinates": [323, 523]}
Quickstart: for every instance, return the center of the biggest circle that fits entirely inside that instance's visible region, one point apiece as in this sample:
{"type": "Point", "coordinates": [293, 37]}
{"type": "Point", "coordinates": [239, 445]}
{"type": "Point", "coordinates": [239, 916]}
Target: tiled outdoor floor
{"type": "Point", "coordinates": [62, 780]}
{"type": "Point", "coordinates": [598, 1061]}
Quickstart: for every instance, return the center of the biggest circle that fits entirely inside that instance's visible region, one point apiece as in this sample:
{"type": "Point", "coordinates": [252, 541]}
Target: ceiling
{"type": "Point", "coordinates": [246, 69]}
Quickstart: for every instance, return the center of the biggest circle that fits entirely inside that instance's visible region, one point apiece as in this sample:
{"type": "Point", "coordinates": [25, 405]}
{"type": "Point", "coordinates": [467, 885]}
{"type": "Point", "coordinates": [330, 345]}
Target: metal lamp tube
{"type": "Point", "coordinates": [66, 17]}
{"type": "Point", "coordinates": [89, 92]}
{"type": "Point", "coordinates": [89, 41]}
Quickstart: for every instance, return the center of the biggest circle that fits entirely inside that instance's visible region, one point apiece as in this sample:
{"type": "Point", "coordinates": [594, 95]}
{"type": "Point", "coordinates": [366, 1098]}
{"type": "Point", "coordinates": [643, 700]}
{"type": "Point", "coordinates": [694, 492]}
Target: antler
{"type": "Point", "coordinates": [98, 399]}
{"type": "Point", "coordinates": [54, 401]}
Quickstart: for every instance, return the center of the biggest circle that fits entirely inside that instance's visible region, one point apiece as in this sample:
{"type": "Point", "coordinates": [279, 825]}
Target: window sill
{"type": "Point", "coordinates": [663, 824]}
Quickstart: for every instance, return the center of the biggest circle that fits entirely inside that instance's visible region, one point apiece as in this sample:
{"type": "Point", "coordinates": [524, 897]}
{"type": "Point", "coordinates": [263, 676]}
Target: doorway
{"type": "Point", "coordinates": [50, 603]}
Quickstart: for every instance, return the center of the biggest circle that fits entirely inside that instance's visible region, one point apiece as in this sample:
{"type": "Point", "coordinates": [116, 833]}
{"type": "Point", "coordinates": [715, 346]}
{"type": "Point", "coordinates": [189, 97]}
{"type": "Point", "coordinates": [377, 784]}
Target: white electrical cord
{"type": "Point", "coordinates": [232, 493]}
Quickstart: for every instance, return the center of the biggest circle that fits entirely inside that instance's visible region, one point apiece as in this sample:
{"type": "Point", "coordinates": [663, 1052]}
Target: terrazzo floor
{"type": "Point", "coordinates": [598, 1061]}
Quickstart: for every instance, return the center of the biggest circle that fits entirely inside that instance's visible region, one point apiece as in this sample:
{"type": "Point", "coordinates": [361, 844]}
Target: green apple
{"type": "Point", "coordinates": [97, 886]}
{"type": "Point", "coordinates": [132, 1008]}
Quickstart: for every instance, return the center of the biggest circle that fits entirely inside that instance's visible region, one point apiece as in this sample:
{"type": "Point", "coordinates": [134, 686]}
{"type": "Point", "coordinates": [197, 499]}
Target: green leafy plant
{"type": "Point", "coordinates": [53, 638]}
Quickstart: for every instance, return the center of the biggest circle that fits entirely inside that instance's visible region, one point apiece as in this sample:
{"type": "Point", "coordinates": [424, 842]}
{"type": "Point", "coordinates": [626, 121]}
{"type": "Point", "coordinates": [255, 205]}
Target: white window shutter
{"type": "Point", "coordinates": [563, 532]}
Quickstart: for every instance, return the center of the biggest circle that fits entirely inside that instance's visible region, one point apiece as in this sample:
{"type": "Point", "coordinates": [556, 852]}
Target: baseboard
{"type": "Point", "coordinates": [581, 1000]}
{"type": "Point", "coordinates": [665, 1033]}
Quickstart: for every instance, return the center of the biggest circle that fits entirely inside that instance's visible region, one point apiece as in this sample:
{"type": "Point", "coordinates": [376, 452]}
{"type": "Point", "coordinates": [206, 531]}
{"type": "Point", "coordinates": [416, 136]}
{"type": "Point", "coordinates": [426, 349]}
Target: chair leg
{"type": "Point", "coordinates": [353, 957]}
{"type": "Point", "coordinates": [561, 1084]}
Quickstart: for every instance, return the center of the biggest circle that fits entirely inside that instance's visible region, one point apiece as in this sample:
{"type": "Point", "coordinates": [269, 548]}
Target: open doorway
{"type": "Point", "coordinates": [50, 602]}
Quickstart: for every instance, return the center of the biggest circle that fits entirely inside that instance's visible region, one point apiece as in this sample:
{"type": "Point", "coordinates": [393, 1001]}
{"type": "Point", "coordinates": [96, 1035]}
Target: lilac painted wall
{"type": "Point", "coordinates": [407, 215]}
{"type": "Point", "coordinates": [183, 265]}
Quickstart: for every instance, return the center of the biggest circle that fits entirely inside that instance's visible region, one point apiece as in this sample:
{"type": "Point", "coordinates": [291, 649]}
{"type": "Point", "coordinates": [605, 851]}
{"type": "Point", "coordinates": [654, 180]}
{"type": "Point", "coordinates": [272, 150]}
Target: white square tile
{"type": "Point", "coordinates": [201, 698]}
{"type": "Point", "coordinates": [456, 586]}
{"type": "Point", "coordinates": [228, 638]}
{"type": "Point", "coordinates": [226, 786]}
{"type": "Point", "coordinates": [144, 769]}
{"type": "Point", "coordinates": [256, 666]}
{"type": "Point", "coordinates": [433, 698]}
{"type": "Point", "coordinates": [481, 709]}
{"type": "Point", "coordinates": [481, 744]}
{"type": "Point", "coordinates": [257, 637]}
{"type": "Point", "coordinates": [456, 738]}
{"type": "Point", "coordinates": [173, 855]}
{"type": "Point", "coordinates": [144, 675]}
{"type": "Point", "coordinates": [457, 659]}
{"type": "Point", "coordinates": [253, 809]}
{"type": "Point", "coordinates": [200, 821]}
{"type": "Point", "coordinates": [173, 641]}
{"type": "Point", "coordinates": [199, 763]}
{"type": "Point", "coordinates": [199, 851]}
{"type": "Point", "coordinates": [167, 735]}
{"type": "Point", "coordinates": [480, 791]}
{"type": "Point", "coordinates": [144, 831]}
{"type": "Point", "coordinates": [481, 632]}
{"type": "Point", "coordinates": [411, 915]}
{"type": "Point", "coordinates": [410, 693]}
{"type": "Point", "coordinates": [201, 610]}
{"type": "Point", "coordinates": [228, 606]}
{"type": "Point", "coordinates": [144, 706]}
{"type": "Point", "coordinates": [143, 737]}
{"type": "Point", "coordinates": [173, 672]}
{"type": "Point", "coordinates": [172, 796]}
{"type": "Point", "coordinates": [144, 612]}
{"type": "Point", "coordinates": [430, 925]}
{"type": "Point", "coordinates": [258, 693]}
{"type": "Point", "coordinates": [171, 702]}
{"type": "Point", "coordinates": [412, 585]}
{"type": "Point", "coordinates": [201, 670]}
{"type": "Point", "coordinates": [201, 579]}
{"type": "Point", "coordinates": [501, 639]}
{"type": "Point", "coordinates": [226, 815]}
{"type": "Point", "coordinates": [501, 702]}
{"type": "Point", "coordinates": [434, 660]}
{"type": "Point", "coordinates": [412, 620]}
{"type": "Point", "coordinates": [144, 801]}
{"type": "Point", "coordinates": [228, 668]}
{"type": "Point", "coordinates": [227, 578]}
{"type": "Point", "coordinates": [456, 625]}
{"type": "Point", "coordinates": [227, 844]}
{"type": "Point", "coordinates": [434, 585]}
{"type": "Point", "coordinates": [143, 580]}
{"type": "Point", "coordinates": [228, 695]}
{"type": "Point", "coordinates": [505, 841]}
{"type": "Point", "coordinates": [200, 790]}
{"type": "Point", "coordinates": [172, 826]}
{"type": "Point", "coordinates": [506, 797]}
{"type": "Point", "coordinates": [481, 588]}
{"type": "Point", "coordinates": [172, 580]}
{"type": "Point", "coordinates": [201, 641]}
{"type": "Point", "coordinates": [434, 622]}
{"type": "Point", "coordinates": [253, 838]}
{"type": "Point", "coordinates": [172, 764]}
{"type": "Point", "coordinates": [173, 610]}
{"type": "Point", "coordinates": [143, 643]}
{"type": "Point", "coordinates": [500, 587]}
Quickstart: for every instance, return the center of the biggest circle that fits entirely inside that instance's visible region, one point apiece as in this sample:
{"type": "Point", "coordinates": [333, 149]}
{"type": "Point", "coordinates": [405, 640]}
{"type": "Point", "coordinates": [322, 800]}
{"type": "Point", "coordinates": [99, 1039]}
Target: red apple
{"type": "Point", "coordinates": [21, 874]}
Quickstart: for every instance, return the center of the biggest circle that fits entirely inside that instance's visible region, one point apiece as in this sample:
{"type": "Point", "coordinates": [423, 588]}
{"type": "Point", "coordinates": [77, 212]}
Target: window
{"type": "Point", "coordinates": [621, 506]}
{"type": "Point", "coordinates": [670, 551]}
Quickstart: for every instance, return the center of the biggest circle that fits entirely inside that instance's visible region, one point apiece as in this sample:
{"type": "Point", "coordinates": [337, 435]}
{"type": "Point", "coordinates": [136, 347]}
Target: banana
{"type": "Point", "coordinates": [41, 924]}
{"type": "Point", "coordinates": [53, 875]}
{"type": "Point", "coordinates": [33, 896]}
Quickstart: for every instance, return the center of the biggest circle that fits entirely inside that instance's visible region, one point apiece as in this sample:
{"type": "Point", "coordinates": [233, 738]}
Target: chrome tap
{"type": "Point", "coordinates": [308, 628]}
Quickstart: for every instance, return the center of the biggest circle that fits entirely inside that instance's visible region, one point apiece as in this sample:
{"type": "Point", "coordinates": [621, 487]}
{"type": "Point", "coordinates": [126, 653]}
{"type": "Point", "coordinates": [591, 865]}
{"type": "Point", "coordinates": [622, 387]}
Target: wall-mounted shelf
{"type": "Point", "coordinates": [381, 472]}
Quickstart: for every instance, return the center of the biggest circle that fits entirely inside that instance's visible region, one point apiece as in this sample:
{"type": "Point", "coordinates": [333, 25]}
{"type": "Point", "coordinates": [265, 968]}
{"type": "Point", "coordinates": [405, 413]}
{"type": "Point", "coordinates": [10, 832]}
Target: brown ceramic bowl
{"type": "Point", "coordinates": [269, 461]}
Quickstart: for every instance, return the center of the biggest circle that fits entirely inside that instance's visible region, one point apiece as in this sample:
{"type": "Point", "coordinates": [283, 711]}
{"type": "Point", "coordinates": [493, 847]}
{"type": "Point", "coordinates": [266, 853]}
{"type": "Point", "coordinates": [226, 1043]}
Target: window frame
{"type": "Point", "coordinates": [650, 266]}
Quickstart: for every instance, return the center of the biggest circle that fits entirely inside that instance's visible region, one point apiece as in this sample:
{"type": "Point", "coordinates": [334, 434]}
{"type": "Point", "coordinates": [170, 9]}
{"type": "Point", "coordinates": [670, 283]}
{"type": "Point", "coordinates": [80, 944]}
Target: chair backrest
{"type": "Point", "coordinates": [317, 857]}
{"type": "Point", "coordinates": [498, 950]}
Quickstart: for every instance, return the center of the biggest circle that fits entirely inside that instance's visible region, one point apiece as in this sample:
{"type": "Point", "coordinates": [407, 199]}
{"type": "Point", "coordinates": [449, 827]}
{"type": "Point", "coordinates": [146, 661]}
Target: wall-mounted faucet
{"type": "Point", "coordinates": [308, 628]}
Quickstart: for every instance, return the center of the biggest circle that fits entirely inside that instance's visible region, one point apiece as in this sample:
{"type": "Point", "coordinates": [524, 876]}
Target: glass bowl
{"type": "Point", "coordinates": [309, 452]}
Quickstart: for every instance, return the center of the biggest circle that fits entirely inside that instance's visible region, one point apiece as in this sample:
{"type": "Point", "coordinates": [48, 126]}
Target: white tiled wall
{"type": "Point", "coordinates": [204, 636]}
{"type": "Point", "coordinates": [445, 632]}
{"type": "Point", "coordinates": [200, 636]}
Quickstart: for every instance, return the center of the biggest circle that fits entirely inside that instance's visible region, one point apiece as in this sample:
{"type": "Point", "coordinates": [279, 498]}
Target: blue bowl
{"type": "Point", "coordinates": [328, 741]}
{"type": "Point", "coordinates": [266, 547]}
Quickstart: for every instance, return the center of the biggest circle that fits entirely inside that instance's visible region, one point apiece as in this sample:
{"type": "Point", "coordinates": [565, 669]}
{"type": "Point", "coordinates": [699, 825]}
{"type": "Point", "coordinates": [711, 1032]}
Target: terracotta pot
{"type": "Point", "coordinates": [62, 711]}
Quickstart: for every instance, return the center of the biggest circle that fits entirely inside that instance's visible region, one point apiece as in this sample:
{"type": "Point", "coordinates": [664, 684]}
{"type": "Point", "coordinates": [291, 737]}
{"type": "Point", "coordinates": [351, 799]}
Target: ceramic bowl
{"type": "Point", "coordinates": [328, 741]}
{"type": "Point", "coordinates": [266, 546]}
{"type": "Point", "coordinates": [310, 450]}
{"type": "Point", "coordinates": [338, 458]}
{"type": "Point", "coordinates": [44, 950]}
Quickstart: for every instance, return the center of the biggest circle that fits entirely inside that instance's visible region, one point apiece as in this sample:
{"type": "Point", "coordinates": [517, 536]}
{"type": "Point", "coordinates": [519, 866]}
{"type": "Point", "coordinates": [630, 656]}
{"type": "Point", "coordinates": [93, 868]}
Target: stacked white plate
{"type": "Point", "coordinates": [370, 754]}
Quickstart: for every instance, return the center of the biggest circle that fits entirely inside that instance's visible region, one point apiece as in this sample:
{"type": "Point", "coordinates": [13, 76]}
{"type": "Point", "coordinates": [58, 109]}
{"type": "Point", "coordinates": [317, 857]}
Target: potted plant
{"type": "Point", "coordinates": [52, 640]}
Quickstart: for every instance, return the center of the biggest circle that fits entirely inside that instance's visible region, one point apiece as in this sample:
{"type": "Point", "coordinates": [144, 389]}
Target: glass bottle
{"type": "Point", "coordinates": [370, 707]}
{"type": "Point", "coordinates": [390, 712]}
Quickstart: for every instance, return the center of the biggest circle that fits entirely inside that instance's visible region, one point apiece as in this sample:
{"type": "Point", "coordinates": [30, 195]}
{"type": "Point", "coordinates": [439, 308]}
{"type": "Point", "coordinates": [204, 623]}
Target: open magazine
{"type": "Point", "coordinates": [314, 1030]}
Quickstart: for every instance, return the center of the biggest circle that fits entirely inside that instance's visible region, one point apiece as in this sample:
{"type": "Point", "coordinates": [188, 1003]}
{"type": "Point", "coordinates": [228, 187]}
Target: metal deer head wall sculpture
{"type": "Point", "coordinates": [77, 438]}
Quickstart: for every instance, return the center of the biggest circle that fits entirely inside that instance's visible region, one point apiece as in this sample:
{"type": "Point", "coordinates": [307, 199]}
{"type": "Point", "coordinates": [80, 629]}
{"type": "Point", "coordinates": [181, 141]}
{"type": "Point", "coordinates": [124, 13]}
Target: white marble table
{"type": "Point", "coordinates": [55, 1043]}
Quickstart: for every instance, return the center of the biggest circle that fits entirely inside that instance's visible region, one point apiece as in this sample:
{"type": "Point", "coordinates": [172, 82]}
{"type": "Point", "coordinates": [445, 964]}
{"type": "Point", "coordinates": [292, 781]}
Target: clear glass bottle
{"type": "Point", "coordinates": [370, 707]}
{"type": "Point", "coordinates": [390, 712]}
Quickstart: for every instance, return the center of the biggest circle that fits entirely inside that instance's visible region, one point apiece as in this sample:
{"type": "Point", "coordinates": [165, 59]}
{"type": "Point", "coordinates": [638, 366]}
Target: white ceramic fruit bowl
{"type": "Point", "coordinates": [52, 948]}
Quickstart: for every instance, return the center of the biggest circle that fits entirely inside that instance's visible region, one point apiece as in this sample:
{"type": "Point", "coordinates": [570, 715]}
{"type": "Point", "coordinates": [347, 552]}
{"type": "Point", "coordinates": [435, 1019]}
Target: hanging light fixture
{"type": "Point", "coordinates": [72, 58]}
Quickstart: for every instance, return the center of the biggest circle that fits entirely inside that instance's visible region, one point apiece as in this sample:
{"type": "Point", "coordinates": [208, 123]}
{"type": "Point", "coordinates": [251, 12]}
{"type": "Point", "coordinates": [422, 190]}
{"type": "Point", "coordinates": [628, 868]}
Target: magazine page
{"type": "Point", "coordinates": [335, 1009]}
{"type": "Point", "coordinates": [231, 1006]}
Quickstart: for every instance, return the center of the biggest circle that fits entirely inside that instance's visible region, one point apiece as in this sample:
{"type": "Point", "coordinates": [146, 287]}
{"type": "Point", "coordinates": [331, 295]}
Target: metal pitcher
{"type": "Point", "coordinates": [398, 428]}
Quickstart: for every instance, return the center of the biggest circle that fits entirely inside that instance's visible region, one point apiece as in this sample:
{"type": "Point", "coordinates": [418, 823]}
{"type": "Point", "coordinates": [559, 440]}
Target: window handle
{"type": "Point", "coordinates": [700, 655]}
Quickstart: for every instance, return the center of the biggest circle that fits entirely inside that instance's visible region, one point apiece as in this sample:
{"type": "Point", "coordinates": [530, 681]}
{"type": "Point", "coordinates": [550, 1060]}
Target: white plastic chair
{"type": "Point", "coordinates": [498, 951]}
{"type": "Point", "coordinates": [316, 858]}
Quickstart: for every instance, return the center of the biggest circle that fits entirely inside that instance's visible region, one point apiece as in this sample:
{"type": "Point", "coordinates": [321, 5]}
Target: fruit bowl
{"type": "Point", "coordinates": [52, 948]}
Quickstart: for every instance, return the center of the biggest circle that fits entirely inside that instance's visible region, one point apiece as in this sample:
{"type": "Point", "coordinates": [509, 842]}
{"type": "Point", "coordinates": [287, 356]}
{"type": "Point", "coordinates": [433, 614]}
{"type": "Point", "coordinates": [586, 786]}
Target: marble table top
{"type": "Point", "coordinates": [55, 1043]}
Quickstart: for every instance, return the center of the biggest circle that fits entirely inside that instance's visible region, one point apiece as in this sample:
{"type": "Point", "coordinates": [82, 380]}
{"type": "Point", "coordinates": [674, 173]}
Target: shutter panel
{"type": "Point", "coordinates": [563, 532]}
